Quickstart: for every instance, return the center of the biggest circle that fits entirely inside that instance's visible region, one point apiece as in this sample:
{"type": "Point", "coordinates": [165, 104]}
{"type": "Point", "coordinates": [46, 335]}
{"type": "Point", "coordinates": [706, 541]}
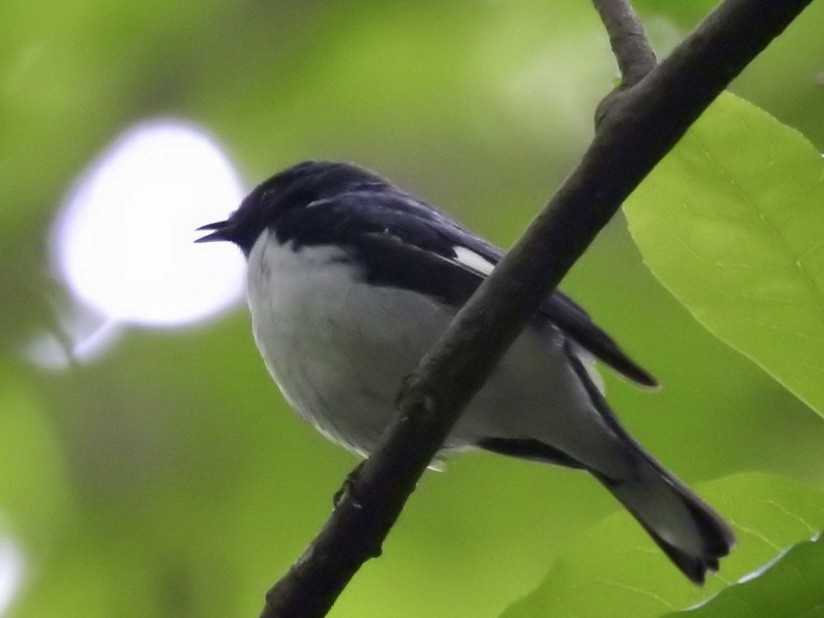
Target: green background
{"type": "Point", "coordinates": [169, 478]}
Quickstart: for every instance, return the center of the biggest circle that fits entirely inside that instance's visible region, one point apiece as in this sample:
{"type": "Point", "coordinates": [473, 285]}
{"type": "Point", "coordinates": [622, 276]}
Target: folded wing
{"type": "Point", "coordinates": [401, 243]}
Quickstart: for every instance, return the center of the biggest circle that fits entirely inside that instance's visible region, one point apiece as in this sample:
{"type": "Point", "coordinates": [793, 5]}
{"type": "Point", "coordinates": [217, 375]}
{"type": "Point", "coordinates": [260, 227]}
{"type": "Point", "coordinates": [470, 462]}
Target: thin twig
{"type": "Point", "coordinates": [656, 112]}
{"type": "Point", "coordinates": [629, 43]}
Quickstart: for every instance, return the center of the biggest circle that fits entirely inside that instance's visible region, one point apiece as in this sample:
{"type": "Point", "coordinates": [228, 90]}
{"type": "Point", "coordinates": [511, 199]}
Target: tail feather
{"type": "Point", "coordinates": [686, 529]}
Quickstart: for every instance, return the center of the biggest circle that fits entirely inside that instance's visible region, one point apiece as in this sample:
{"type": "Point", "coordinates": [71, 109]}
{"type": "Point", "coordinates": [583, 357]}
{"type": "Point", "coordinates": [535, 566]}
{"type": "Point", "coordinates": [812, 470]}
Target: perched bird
{"type": "Point", "coordinates": [350, 280]}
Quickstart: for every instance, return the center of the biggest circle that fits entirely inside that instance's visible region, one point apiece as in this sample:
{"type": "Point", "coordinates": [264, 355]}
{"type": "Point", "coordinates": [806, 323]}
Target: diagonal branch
{"type": "Point", "coordinates": [636, 133]}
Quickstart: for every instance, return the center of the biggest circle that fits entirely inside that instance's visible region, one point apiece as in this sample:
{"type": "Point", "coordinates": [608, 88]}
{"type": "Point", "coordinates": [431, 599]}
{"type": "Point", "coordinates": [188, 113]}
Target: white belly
{"type": "Point", "coordinates": [339, 349]}
{"type": "Point", "coordinates": [335, 346]}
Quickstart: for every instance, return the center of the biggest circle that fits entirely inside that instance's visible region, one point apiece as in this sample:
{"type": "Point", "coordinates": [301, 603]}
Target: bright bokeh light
{"type": "Point", "coordinates": [11, 572]}
{"type": "Point", "coordinates": [123, 241]}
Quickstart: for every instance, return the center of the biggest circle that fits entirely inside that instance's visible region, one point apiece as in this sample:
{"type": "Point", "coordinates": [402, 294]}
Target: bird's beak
{"type": "Point", "coordinates": [219, 229]}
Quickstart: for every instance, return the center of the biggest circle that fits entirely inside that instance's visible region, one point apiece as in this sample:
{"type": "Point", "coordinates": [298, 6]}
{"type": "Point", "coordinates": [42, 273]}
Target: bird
{"type": "Point", "coordinates": [350, 279]}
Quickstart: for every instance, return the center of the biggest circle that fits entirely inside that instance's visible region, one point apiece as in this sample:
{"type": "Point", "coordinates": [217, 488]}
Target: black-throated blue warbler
{"type": "Point", "coordinates": [350, 280]}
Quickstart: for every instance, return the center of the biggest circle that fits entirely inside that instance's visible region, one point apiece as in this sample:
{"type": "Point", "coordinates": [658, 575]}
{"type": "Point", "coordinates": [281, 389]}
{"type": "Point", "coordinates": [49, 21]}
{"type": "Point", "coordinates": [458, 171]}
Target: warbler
{"type": "Point", "coordinates": [350, 280]}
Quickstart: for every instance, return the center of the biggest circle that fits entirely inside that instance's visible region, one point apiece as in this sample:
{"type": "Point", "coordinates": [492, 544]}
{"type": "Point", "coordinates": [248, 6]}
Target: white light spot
{"type": "Point", "coordinates": [472, 260]}
{"type": "Point", "coordinates": [12, 568]}
{"type": "Point", "coordinates": [123, 240]}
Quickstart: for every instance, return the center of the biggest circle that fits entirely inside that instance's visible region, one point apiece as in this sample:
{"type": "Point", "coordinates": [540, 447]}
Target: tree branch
{"type": "Point", "coordinates": [629, 43]}
{"type": "Point", "coordinates": [647, 121]}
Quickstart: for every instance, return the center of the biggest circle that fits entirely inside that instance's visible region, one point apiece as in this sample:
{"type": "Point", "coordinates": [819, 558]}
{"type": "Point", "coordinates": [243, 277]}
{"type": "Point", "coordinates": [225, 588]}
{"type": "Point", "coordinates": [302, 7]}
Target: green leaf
{"type": "Point", "coordinates": [732, 223]}
{"type": "Point", "coordinates": [789, 586]}
{"type": "Point", "coordinates": [615, 570]}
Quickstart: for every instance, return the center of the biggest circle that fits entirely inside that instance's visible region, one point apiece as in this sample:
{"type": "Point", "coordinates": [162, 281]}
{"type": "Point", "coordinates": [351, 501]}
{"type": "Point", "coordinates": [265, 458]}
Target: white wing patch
{"type": "Point", "coordinates": [472, 260]}
{"type": "Point", "coordinates": [588, 362]}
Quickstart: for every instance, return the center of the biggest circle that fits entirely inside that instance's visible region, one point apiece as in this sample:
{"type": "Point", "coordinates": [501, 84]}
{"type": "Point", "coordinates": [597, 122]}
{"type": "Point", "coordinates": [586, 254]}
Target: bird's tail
{"type": "Point", "coordinates": [689, 532]}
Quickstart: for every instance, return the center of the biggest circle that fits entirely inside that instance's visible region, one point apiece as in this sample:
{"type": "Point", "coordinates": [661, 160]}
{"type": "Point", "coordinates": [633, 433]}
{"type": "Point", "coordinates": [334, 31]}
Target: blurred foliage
{"type": "Point", "coordinates": [169, 478]}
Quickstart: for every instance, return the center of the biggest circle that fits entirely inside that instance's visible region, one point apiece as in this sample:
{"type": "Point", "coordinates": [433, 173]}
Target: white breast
{"type": "Point", "coordinates": [337, 347]}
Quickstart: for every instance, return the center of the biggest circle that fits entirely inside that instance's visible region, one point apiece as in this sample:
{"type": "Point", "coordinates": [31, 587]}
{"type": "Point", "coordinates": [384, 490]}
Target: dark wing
{"type": "Point", "coordinates": [576, 323]}
{"type": "Point", "coordinates": [403, 243]}
{"type": "Point", "coordinates": [395, 240]}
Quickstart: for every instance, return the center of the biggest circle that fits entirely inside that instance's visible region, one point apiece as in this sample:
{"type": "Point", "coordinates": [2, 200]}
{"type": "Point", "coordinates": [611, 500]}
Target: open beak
{"type": "Point", "coordinates": [219, 231]}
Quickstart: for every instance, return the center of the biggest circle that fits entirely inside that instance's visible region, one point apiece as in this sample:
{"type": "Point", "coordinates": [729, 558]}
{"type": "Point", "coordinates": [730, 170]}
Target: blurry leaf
{"type": "Point", "coordinates": [789, 586]}
{"type": "Point", "coordinates": [616, 570]}
{"type": "Point", "coordinates": [686, 14]}
{"type": "Point", "coordinates": [731, 223]}
{"type": "Point", "coordinates": [34, 491]}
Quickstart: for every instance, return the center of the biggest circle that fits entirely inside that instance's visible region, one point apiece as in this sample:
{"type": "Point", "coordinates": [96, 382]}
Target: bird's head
{"type": "Point", "coordinates": [294, 187]}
